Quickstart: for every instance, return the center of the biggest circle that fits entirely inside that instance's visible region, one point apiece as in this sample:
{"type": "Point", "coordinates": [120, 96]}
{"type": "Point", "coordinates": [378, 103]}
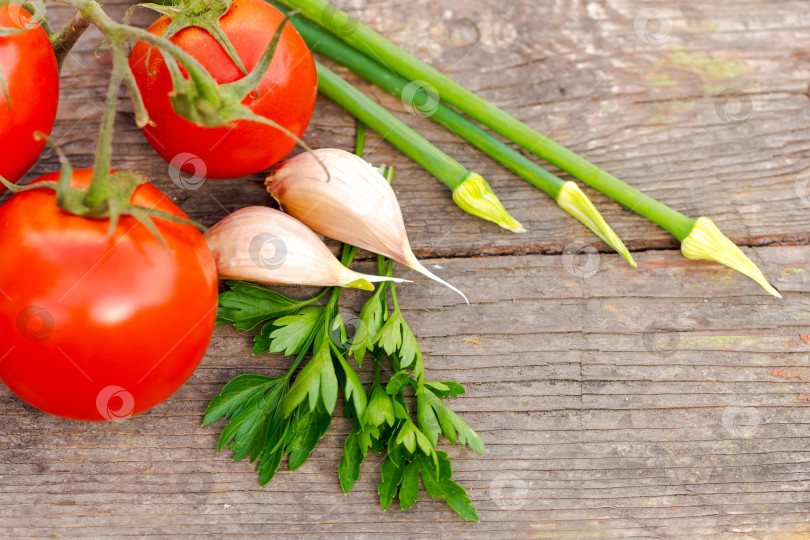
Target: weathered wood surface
{"type": "Point", "coordinates": [614, 403]}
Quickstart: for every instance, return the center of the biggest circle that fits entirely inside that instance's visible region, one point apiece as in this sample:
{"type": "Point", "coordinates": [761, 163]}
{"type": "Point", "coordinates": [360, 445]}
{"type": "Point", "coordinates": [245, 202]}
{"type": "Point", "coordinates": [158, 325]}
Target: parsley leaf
{"type": "Point", "coordinates": [270, 462]}
{"type": "Point", "coordinates": [445, 388]}
{"type": "Point", "coordinates": [436, 417]}
{"type": "Point", "coordinates": [402, 468]}
{"type": "Point", "coordinates": [257, 426]}
{"type": "Point", "coordinates": [395, 337]}
{"type": "Point", "coordinates": [375, 425]}
{"type": "Point", "coordinates": [261, 341]}
{"type": "Point", "coordinates": [389, 337]}
{"type": "Point", "coordinates": [353, 456]}
{"type": "Point", "coordinates": [353, 391]}
{"type": "Point", "coordinates": [290, 333]}
{"type": "Point", "coordinates": [411, 438]}
{"type": "Point", "coordinates": [235, 396]}
{"type": "Point", "coordinates": [380, 409]}
{"type": "Point", "coordinates": [441, 486]}
{"type": "Point", "coordinates": [409, 487]}
{"type": "Point", "coordinates": [390, 479]}
{"type": "Point", "coordinates": [316, 379]}
{"type": "Point", "coordinates": [307, 429]}
{"type": "Point", "coordinates": [398, 383]}
{"type": "Point", "coordinates": [247, 305]}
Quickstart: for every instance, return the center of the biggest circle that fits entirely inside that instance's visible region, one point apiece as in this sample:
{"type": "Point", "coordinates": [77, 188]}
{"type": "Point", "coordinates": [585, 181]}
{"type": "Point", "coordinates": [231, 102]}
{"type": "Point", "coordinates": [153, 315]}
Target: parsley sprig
{"type": "Point", "coordinates": [270, 417]}
{"type": "Point", "coordinates": [388, 427]}
{"type": "Point", "coordinates": [274, 416]}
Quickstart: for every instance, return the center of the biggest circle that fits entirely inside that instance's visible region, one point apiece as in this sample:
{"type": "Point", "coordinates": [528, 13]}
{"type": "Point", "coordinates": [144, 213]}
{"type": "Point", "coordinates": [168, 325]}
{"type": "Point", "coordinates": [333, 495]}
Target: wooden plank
{"type": "Point", "coordinates": [614, 402]}
{"type": "Point", "coordinates": [592, 429]}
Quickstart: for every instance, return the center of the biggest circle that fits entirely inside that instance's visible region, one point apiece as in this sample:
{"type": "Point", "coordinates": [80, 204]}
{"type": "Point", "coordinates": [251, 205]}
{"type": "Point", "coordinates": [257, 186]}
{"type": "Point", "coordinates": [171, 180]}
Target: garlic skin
{"type": "Point", "coordinates": [354, 203]}
{"type": "Point", "coordinates": [264, 245]}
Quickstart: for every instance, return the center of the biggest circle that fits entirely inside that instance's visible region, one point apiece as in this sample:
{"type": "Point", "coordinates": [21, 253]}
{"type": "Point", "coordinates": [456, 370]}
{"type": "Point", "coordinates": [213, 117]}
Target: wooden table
{"type": "Point", "coordinates": [667, 401]}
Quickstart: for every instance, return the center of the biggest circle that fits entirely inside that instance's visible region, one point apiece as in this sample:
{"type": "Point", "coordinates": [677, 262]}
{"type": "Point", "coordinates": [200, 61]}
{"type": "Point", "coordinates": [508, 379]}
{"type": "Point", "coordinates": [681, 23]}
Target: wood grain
{"type": "Point", "coordinates": [600, 419]}
{"type": "Point", "coordinates": [614, 403]}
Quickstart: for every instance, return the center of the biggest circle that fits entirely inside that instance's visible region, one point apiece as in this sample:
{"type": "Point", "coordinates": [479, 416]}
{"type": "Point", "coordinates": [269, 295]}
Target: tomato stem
{"type": "Point", "coordinates": [196, 95]}
{"type": "Point", "coordinates": [115, 33]}
{"type": "Point", "coordinates": [67, 38]}
{"type": "Point", "coordinates": [97, 192]}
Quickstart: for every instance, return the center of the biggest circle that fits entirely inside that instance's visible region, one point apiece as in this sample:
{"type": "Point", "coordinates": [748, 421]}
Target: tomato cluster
{"type": "Point", "coordinates": [101, 322]}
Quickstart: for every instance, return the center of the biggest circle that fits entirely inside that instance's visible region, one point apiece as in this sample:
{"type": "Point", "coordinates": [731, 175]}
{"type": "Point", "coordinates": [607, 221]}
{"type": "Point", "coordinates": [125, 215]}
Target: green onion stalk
{"type": "Point", "coordinates": [471, 192]}
{"type": "Point", "coordinates": [700, 238]}
{"type": "Point", "coordinates": [566, 193]}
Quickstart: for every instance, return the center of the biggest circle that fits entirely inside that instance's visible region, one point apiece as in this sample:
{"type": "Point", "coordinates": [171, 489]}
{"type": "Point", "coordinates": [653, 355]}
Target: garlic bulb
{"type": "Point", "coordinates": [354, 203]}
{"type": "Point", "coordinates": [267, 246]}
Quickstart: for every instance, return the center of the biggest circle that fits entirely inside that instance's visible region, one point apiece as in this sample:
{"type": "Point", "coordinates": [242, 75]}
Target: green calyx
{"type": "Point", "coordinates": [197, 97]}
{"type": "Point", "coordinates": [201, 100]}
{"type": "Point", "coordinates": [203, 14]}
{"type": "Point", "coordinates": [121, 186]}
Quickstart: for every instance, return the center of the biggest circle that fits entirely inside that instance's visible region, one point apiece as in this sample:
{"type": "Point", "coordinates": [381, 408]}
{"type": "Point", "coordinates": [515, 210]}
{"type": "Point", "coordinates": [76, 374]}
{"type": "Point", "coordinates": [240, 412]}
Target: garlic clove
{"type": "Point", "coordinates": [264, 245]}
{"type": "Point", "coordinates": [354, 203]}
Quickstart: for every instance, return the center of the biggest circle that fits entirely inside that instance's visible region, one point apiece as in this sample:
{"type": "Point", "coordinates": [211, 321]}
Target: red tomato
{"type": "Point", "coordinates": [98, 328]}
{"type": "Point", "coordinates": [32, 79]}
{"type": "Point", "coordinates": [286, 94]}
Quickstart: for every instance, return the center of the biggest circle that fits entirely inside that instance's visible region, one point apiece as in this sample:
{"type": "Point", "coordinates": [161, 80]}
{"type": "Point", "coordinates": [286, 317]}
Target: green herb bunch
{"type": "Point", "coordinates": [273, 416]}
